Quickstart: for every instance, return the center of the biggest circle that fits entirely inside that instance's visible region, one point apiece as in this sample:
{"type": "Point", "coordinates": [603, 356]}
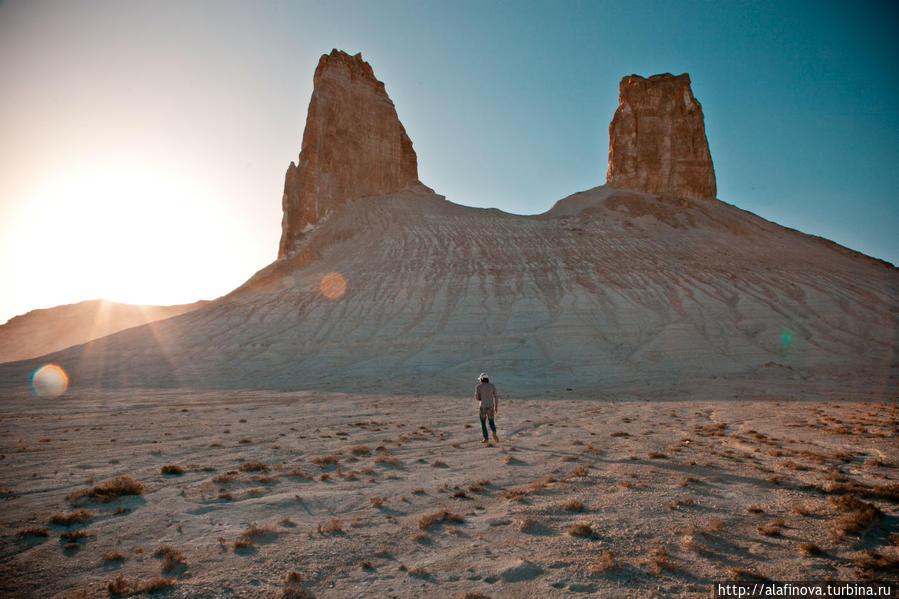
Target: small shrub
{"type": "Point", "coordinates": [253, 467]}
{"type": "Point", "coordinates": [34, 531]}
{"type": "Point", "coordinates": [769, 530]}
{"type": "Point", "coordinates": [360, 450]}
{"type": "Point", "coordinates": [429, 520]}
{"type": "Point", "coordinates": [810, 549]}
{"type": "Point", "coordinates": [656, 455]}
{"type": "Point", "coordinates": [581, 529]}
{"type": "Point", "coordinates": [754, 509]}
{"type": "Point", "coordinates": [388, 461]}
{"type": "Point", "coordinates": [327, 460]}
{"type": "Point", "coordinates": [528, 524]}
{"type": "Point", "coordinates": [112, 556]}
{"type": "Point", "coordinates": [860, 515]}
{"type": "Point", "coordinates": [74, 536]}
{"type": "Point", "coordinates": [109, 490]}
{"type": "Point", "coordinates": [226, 477]}
{"type": "Point", "coordinates": [172, 469]}
{"type": "Point", "coordinates": [334, 525]}
{"type": "Point", "coordinates": [172, 559]}
{"type": "Point", "coordinates": [681, 501]}
{"type": "Point", "coordinates": [77, 517]}
{"type": "Point", "coordinates": [658, 560]}
{"type": "Point", "coordinates": [607, 561]}
{"type": "Point", "coordinates": [573, 505]}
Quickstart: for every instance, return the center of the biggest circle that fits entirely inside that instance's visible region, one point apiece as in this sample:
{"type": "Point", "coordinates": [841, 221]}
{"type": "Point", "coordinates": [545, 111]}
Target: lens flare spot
{"type": "Point", "coordinates": [333, 285]}
{"type": "Point", "coordinates": [49, 380]}
{"type": "Point", "coordinates": [786, 338]}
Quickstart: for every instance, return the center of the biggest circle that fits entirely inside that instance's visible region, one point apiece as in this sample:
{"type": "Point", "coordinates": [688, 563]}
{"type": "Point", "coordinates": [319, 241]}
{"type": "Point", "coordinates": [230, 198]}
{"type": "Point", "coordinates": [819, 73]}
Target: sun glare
{"type": "Point", "coordinates": [120, 234]}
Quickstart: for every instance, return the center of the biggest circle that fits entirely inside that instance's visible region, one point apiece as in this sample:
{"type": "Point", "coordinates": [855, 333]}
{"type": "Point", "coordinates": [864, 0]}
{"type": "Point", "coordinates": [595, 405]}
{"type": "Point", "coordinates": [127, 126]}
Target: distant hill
{"type": "Point", "coordinates": [607, 287]}
{"type": "Point", "coordinates": [42, 332]}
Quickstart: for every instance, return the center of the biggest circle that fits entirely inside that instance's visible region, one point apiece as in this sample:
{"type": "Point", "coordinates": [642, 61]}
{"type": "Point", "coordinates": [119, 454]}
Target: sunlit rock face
{"type": "Point", "coordinates": [657, 141]}
{"type": "Point", "coordinates": [354, 146]}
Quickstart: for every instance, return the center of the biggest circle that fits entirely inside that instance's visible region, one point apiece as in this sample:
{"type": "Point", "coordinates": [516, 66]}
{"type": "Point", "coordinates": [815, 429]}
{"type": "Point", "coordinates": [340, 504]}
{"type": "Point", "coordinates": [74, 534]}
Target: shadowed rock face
{"type": "Point", "coordinates": [657, 141]}
{"type": "Point", "coordinates": [354, 146]}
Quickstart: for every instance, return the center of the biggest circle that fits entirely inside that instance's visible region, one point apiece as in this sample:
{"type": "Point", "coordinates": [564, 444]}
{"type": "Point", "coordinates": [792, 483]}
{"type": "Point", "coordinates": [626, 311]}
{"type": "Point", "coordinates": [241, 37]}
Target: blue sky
{"type": "Point", "coordinates": [145, 144]}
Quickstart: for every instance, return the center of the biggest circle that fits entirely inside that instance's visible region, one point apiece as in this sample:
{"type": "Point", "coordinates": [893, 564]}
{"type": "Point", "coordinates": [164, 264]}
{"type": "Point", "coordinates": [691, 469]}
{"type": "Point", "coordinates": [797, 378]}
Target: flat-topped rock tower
{"type": "Point", "coordinates": [354, 146]}
{"type": "Point", "coordinates": [657, 141]}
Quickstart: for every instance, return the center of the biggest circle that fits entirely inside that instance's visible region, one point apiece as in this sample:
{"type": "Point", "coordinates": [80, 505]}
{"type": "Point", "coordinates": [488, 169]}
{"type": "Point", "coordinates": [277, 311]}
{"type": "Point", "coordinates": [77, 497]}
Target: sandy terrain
{"type": "Point", "coordinates": [628, 493]}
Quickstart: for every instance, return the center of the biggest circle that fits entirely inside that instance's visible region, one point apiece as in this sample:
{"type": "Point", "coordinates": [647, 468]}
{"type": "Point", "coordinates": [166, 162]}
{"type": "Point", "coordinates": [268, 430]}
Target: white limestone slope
{"type": "Point", "coordinates": [607, 288]}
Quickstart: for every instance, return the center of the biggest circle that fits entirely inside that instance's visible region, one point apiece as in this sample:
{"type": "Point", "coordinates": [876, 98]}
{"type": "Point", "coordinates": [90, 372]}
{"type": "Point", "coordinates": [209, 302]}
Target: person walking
{"type": "Point", "coordinates": [485, 393]}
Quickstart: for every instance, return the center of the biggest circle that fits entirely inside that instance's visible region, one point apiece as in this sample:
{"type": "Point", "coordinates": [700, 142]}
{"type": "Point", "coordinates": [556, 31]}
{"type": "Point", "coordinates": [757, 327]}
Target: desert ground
{"type": "Point", "coordinates": [636, 492]}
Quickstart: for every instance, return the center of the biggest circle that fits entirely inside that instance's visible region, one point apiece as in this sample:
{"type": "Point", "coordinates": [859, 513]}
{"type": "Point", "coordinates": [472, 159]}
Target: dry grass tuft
{"type": "Point", "coordinates": [515, 494]}
{"type": "Point", "coordinates": [860, 515]}
{"type": "Point", "coordinates": [429, 520]}
{"type": "Point", "coordinates": [377, 501]}
{"type": "Point", "coordinates": [226, 477]}
{"type": "Point", "coordinates": [472, 595]}
{"type": "Point", "coordinates": [387, 460]}
{"type": "Point", "coordinates": [253, 467]}
{"type": "Point", "coordinates": [34, 531]}
{"type": "Point", "coordinates": [528, 524]}
{"type": "Point", "coordinates": [573, 505]}
{"type": "Point", "coordinates": [658, 560]}
{"type": "Point", "coordinates": [656, 455]}
{"type": "Point", "coordinates": [172, 559]}
{"type": "Point", "coordinates": [77, 517]}
{"type": "Point", "coordinates": [754, 509]}
{"type": "Point", "coordinates": [122, 587]}
{"type": "Point", "coordinates": [810, 549]}
{"type": "Point", "coordinates": [869, 563]}
{"type": "Point", "coordinates": [605, 562]}
{"type": "Point", "coordinates": [578, 472]}
{"type": "Point", "coordinates": [334, 526]}
{"type": "Point", "coordinates": [247, 539]}
{"type": "Point", "coordinates": [74, 536]}
{"type": "Point", "coordinates": [769, 530]}
{"type": "Point", "coordinates": [326, 460]}
{"type": "Point", "coordinates": [113, 556]}
{"type": "Point", "coordinates": [688, 501]}
{"type": "Point", "coordinates": [108, 491]}
{"type": "Point", "coordinates": [172, 469]}
{"type": "Point", "coordinates": [581, 529]}
{"type": "Point", "coordinates": [419, 572]}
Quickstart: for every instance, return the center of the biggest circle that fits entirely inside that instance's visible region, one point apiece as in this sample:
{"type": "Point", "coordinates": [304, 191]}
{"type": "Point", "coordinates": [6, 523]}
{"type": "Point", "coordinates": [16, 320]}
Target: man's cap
{"type": "Point", "coordinates": [482, 376]}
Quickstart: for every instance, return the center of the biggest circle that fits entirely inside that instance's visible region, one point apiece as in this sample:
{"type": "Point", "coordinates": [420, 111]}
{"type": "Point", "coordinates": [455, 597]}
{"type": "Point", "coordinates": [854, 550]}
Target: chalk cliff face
{"type": "Point", "coordinates": [354, 146]}
{"type": "Point", "coordinates": [657, 141]}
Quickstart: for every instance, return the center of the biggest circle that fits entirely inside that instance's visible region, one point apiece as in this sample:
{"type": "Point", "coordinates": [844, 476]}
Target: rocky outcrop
{"type": "Point", "coordinates": [354, 146]}
{"type": "Point", "coordinates": [657, 141]}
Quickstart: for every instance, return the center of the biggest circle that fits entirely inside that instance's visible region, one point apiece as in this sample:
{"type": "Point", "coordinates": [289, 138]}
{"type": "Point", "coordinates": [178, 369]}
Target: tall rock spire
{"type": "Point", "coordinates": [657, 141]}
{"type": "Point", "coordinates": [354, 146]}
